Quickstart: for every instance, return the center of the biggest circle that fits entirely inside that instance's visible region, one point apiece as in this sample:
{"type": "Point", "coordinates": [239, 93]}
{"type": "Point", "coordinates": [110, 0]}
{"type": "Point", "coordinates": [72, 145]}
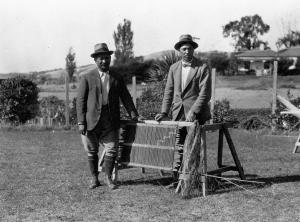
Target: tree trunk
{"type": "Point", "coordinates": [67, 114]}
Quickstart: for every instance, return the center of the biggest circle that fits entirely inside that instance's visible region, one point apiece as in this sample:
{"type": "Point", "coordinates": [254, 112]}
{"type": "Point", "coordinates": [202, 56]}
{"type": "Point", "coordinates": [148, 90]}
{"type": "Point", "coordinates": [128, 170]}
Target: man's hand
{"type": "Point", "coordinates": [190, 117]}
{"type": "Point", "coordinates": [160, 116]}
{"type": "Point", "coordinates": [82, 129]}
{"type": "Point", "coordinates": [138, 118]}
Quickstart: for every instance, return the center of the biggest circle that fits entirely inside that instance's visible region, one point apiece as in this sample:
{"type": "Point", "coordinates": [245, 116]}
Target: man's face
{"type": "Point", "coordinates": [186, 52]}
{"type": "Point", "coordinates": [103, 62]}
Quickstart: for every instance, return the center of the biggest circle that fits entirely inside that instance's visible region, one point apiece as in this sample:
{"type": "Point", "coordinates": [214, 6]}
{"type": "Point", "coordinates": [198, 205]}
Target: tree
{"type": "Point", "coordinates": [292, 38]}
{"type": "Point", "coordinates": [70, 68]}
{"type": "Point", "coordinates": [18, 100]}
{"type": "Point", "coordinates": [124, 42]}
{"type": "Point", "coordinates": [246, 32]}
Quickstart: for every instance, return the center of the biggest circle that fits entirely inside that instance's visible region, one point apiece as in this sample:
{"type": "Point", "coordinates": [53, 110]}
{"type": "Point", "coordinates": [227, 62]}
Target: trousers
{"type": "Point", "coordinates": [181, 134]}
{"type": "Point", "coordinates": [103, 134]}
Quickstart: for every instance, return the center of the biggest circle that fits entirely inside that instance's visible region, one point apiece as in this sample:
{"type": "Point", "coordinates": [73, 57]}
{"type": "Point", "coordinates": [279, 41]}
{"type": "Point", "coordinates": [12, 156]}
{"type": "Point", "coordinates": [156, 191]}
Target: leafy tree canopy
{"type": "Point", "coordinates": [70, 63]}
{"type": "Point", "coordinates": [246, 32]}
{"type": "Point", "coordinates": [292, 38]}
{"type": "Point", "coordinates": [123, 38]}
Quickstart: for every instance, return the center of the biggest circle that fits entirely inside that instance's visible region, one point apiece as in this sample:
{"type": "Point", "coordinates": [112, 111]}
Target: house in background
{"type": "Point", "coordinates": [293, 54]}
{"type": "Point", "coordinates": [260, 62]}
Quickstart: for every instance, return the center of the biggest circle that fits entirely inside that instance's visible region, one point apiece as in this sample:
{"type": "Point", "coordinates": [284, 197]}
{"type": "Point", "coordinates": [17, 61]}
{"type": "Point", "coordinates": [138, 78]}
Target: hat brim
{"type": "Point", "coordinates": [179, 44]}
{"type": "Point", "coordinates": [95, 54]}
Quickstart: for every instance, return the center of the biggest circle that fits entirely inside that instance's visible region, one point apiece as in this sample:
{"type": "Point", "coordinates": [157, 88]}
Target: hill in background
{"type": "Point", "coordinates": [60, 72]}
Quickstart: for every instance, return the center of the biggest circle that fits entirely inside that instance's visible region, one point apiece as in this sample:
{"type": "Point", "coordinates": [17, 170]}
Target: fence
{"type": "Point", "coordinates": [45, 121]}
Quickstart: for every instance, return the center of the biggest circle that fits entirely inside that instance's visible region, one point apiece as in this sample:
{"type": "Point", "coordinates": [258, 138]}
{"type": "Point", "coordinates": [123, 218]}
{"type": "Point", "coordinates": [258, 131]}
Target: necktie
{"type": "Point", "coordinates": [104, 88]}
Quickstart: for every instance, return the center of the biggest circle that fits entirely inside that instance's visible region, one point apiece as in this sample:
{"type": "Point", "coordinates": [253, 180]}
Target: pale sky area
{"type": "Point", "coordinates": [36, 34]}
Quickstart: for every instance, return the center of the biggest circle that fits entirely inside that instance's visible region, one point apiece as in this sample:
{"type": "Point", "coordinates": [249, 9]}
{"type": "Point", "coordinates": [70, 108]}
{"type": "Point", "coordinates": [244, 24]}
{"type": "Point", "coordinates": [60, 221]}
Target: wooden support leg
{"type": "Point", "coordinates": [297, 145]}
{"type": "Point", "coordinates": [234, 154]}
{"type": "Point", "coordinates": [203, 161]}
{"type": "Point", "coordinates": [220, 149]}
{"type": "Point", "coordinates": [178, 188]}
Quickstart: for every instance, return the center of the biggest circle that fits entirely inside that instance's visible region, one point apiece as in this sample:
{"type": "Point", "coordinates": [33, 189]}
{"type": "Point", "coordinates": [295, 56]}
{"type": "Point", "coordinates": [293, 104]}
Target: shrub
{"type": "Point", "coordinates": [223, 112]}
{"type": "Point", "coordinates": [18, 100]}
{"type": "Point", "coordinates": [136, 68]}
{"type": "Point", "coordinates": [160, 67]}
{"type": "Point", "coordinates": [287, 121]}
{"type": "Point", "coordinates": [219, 61]}
{"type": "Point", "coordinates": [149, 103]}
{"type": "Point", "coordinates": [73, 113]}
{"type": "Point", "coordinates": [53, 107]}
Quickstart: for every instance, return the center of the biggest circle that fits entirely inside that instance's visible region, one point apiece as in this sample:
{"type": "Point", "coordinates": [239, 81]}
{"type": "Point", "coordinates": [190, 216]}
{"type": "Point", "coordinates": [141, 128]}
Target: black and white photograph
{"type": "Point", "coordinates": [149, 110]}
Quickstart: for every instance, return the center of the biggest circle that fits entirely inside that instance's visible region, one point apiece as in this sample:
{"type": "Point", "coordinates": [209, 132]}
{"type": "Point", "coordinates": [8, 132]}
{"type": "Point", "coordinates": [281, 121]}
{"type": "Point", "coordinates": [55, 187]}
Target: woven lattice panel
{"type": "Point", "coordinates": [149, 145]}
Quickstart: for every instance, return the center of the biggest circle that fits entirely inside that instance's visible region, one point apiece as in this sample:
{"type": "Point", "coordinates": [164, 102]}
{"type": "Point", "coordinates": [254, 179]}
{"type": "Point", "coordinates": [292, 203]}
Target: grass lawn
{"type": "Point", "coordinates": [44, 177]}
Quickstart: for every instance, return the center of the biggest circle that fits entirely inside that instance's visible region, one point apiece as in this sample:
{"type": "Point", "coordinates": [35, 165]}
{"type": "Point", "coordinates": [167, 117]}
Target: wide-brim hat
{"type": "Point", "coordinates": [101, 49]}
{"type": "Point", "coordinates": [185, 39]}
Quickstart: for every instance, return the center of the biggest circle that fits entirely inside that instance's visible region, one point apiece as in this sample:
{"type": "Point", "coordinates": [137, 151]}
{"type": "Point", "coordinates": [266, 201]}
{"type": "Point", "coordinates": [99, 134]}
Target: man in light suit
{"type": "Point", "coordinates": [188, 90]}
{"type": "Point", "coordinates": [188, 87]}
{"type": "Point", "coordinates": [98, 112]}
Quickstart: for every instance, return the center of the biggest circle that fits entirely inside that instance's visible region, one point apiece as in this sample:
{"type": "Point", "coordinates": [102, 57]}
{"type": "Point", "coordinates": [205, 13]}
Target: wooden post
{"type": "Point", "coordinates": [49, 121]}
{"type": "Point", "coordinates": [220, 148]}
{"type": "Point", "coordinates": [133, 90]}
{"type": "Point", "coordinates": [67, 114]}
{"type": "Point", "coordinates": [213, 91]}
{"type": "Point", "coordinates": [42, 121]}
{"type": "Point", "coordinates": [203, 160]}
{"type": "Point", "coordinates": [274, 92]}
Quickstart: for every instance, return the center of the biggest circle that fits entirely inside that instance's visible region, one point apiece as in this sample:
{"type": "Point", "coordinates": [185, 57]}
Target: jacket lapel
{"type": "Point", "coordinates": [97, 81]}
{"type": "Point", "coordinates": [96, 78]}
{"type": "Point", "coordinates": [177, 77]}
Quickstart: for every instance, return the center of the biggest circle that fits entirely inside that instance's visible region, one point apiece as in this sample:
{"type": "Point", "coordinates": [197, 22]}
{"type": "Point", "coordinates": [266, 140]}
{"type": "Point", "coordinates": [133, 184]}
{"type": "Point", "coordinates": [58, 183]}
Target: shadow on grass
{"type": "Point", "coordinates": [217, 186]}
{"type": "Point", "coordinates": [163, 181]}
{"type": "Point", "coordinates": [280, 179]}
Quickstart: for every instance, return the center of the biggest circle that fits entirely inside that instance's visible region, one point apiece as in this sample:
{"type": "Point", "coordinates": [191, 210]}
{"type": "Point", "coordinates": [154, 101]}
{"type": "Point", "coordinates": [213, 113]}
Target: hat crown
{"type": "Point", "coordinates": [186, 37]}
{"type": "Point", "coordinates": [101, 47]}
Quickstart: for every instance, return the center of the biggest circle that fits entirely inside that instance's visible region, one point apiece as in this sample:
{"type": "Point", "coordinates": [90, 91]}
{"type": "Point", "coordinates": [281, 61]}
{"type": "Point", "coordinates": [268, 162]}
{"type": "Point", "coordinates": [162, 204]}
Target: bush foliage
{"type": "Point", "coordinates": [159, 68]}
{"type": "Point", "coordinates": [18, 100]}
{"type": "Point", "coordinates": [149, 103]}
{"type": "Point", "coordinates": [53, 107]}
{"type": "Point", "coordinates": [136, 68]}
{"type": "Point", "coordinates": [287, 122]}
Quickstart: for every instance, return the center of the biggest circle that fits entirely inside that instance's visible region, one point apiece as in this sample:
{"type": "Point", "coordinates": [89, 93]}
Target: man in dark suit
{"type": "Point", "coordinates": [98, 112]}
{"type": "Point", "coordinates": [188, 90]}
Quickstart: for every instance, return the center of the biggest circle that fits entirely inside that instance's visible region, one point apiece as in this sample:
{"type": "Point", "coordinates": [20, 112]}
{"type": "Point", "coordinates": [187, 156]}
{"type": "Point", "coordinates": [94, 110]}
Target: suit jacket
{"type": "Point", "coordinates": [196, 94]}
{"type": "Point", "coordinates": [89, 99]}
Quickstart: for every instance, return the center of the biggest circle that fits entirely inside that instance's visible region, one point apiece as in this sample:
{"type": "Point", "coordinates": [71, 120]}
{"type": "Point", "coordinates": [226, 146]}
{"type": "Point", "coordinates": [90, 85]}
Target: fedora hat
{"type": "Point", "coordinates": [101, 48]}
{"type": "Point", "coordinates": [186, 38]}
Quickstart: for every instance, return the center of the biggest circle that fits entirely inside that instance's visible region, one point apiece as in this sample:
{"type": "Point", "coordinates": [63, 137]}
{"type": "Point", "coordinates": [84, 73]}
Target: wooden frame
{"type": "Point", "coordinates": [223, 132]}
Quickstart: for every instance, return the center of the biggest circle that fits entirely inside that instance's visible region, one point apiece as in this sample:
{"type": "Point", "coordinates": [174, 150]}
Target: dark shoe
{"type": "Point", "coordinates": [109, 163]}
{"type": "Point", "coordinates": [94, 183]}
{"type": "Point", "coordinates": [110, 183]}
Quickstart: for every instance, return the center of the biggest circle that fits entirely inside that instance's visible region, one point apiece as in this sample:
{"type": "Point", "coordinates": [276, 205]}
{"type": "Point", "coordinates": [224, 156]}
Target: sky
{"type": "Point", "coordinates": [36, 35]}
